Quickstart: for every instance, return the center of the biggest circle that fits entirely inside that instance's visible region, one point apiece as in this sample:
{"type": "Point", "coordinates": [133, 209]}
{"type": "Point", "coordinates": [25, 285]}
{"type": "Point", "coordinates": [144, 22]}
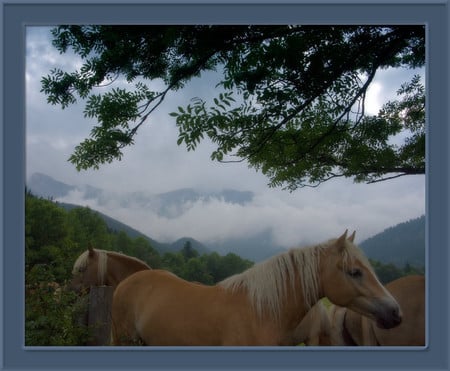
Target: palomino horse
{"type": "Point", "coordinates": [350, 328]}
{"type": "Point", "coordinates": [100, 267]}
{"type": "Point", "coordinates": [315, 327]}
{"type": "Point", "coordinates": [261, 306]}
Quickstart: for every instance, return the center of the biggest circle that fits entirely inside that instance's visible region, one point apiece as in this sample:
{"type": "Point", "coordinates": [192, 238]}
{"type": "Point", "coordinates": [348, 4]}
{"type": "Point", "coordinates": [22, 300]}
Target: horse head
{"type": "Point", "coordinates": [348, 280]}
{"type": "Point", "coordinates": [85, 272]}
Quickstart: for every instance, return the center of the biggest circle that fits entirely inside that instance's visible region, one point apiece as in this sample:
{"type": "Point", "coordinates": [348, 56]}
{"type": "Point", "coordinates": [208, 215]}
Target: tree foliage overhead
{"type": "Point", "coordinates": [290, 101]}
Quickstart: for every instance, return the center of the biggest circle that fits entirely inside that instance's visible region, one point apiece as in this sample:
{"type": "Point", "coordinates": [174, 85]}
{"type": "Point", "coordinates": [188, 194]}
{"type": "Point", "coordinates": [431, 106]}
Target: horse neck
{"type": "Point", "coordinates": [306, 286]}
{"type": "Point", "coordinates": [349, 333]}
{"type": "Point", "coordinates": [314, 329]}
{"type": "Point", "coordinates": [297, 303]}
{"type": "Point", "coordinates": [369, 337]}
{"type": "Point", "coordinates": [120, 267]}
{"type": "Point", "coordinates": [358, 330]}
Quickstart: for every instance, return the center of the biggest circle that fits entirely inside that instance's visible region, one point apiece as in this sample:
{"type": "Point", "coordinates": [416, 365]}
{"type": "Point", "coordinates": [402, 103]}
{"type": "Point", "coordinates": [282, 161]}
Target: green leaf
{"type": "Point", "coordinates": [298, 86]}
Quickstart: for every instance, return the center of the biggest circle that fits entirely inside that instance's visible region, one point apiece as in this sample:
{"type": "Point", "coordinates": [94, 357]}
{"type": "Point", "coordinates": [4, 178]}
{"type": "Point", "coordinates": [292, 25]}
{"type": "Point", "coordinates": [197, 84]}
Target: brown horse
{"type": "Point", "coordinates": [315, 327]}
{"type": "Point", "coordinates": [261, 306]}
{"type": "Point", "coordinates": [350, 328]}
{"type": "Point", "coordinates": [100, 267]}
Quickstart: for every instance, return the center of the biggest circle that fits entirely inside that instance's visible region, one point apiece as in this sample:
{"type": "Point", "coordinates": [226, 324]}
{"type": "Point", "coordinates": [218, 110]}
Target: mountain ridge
{"type": "Point", "coordinates": [257, 247]}
{"type": "Point", "coordinates": [407, 239]}
{"type": "Point", "coordinates": [169, 204]}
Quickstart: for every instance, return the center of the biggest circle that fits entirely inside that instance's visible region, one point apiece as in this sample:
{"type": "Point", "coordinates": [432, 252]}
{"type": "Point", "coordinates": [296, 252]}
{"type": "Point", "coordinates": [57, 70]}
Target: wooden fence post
{"type": "Point", "coordinates": [99, 314]}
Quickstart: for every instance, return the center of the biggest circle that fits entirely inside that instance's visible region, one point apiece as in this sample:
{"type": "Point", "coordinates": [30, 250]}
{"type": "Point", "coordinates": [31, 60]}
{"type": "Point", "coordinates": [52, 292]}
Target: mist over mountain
{"type": "Point", "coordinates": [256, 247]}
{"type": "Point", "coordinates": [47, 187]}
{"type": "Point", "coordinates": [169, 204]}
{"type": "Point", "coordinates": [400, 244]}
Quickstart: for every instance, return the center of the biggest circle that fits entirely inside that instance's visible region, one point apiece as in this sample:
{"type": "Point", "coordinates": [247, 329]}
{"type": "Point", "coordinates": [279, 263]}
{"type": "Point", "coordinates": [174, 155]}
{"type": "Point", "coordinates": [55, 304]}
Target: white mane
{"type": "Point", "coordinates": [82, 261]}
{"type": "Point", "coordinates": [266, 282]}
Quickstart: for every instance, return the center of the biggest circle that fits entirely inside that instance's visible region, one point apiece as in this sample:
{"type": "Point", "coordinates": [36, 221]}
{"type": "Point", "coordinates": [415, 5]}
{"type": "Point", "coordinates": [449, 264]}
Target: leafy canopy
{"type": "Point", "coordinates": [290, 101]}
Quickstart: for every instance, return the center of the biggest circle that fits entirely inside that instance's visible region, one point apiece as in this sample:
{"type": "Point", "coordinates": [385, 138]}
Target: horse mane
{"type": "Point", "coordinates": [82, 261]}
{"type": "Point", "coordinates": [265, 282]}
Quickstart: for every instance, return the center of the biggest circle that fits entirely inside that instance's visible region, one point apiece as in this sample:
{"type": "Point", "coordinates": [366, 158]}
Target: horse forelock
{"type": "Point", "coordinates": [352, 252]}
{"type": "Point", "coordinates": [83, 259]}
{"type": "Point", "coordinates": [81, 262]}
{"type": "Point", "coordinates": [102, 263]}
{"type": "Point", "coordinates": [266, 282]}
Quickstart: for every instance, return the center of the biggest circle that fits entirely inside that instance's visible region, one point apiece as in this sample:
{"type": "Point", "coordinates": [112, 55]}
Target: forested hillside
{"type": "Point", "coordinates": [114, 225]}
{"type": "Point", "coordinates": [399, 245]}
{"type": "Point", "coordinates": [402, 244]}
{"type": "Point", "coordinates": [55, 237]}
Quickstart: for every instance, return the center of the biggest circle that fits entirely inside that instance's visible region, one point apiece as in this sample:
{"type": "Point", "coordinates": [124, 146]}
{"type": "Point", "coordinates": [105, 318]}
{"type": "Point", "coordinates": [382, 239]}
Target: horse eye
{"type": "Point", "coordinates": [355, 273]}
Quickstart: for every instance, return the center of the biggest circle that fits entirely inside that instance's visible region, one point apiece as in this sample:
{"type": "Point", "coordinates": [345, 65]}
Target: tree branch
{"type": "Point", "coordinates": [387, 178]}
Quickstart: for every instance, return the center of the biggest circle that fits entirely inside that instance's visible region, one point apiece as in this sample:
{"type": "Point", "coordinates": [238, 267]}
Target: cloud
{"type": "Point", "coordinates": [156, 164]}
{"type": "Point", "coordinates": [293, 219]}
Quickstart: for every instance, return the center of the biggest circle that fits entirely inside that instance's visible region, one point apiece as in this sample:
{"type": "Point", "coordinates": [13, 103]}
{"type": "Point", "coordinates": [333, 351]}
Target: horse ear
{"type": "Point", "coordinates": [340, 243]}
{"type": "Point", "coordinates": [352, 237]}
{"type": "Point", "coordinates": [91, 249]}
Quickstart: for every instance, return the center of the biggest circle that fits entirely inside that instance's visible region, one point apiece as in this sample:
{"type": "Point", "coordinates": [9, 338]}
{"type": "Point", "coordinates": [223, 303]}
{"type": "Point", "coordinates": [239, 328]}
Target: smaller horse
{"type": "Point", "coordinates": [264, 305]}
{"type": "Point", "coordinates": [103, 268]}
{"type": "Point", "coordinates": [315, 327]}
{"type": "Point", "coordinates": [350, 328]}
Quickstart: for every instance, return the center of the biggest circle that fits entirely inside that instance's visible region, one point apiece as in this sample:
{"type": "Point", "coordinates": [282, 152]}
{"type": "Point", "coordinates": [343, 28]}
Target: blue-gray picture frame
{"type": "Point", "coordinates": [17, 15]}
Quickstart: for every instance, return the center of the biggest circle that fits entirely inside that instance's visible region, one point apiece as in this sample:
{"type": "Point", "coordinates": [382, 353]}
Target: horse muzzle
{"type": "Point", "coordinates": [386, 312]}
{"type": "Point", "coordinates": [389, 318]}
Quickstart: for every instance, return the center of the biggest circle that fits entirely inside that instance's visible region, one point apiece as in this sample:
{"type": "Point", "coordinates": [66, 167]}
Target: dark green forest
{"type": "Point", "coordinates": [55, 237]}
{"type": "Point", "coordinates": [402, 245]}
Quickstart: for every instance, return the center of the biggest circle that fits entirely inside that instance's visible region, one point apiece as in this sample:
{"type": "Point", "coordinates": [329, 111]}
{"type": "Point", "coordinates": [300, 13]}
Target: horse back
{"type": "Point", "coordinates": [155, 307]}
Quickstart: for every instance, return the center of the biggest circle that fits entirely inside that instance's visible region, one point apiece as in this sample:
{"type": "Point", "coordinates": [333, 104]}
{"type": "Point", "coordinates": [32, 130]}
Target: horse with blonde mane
{"type": "Point", "coordinates": [350, 328]}
{"type": "Point", "coordinates": [261, 306]}
{"type": "Point", "coordinates": [315, 327]}
{"type": "Point", "coordinates": [96, 267]}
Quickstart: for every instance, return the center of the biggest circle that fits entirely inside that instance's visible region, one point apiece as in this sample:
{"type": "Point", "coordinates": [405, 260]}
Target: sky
{"type": "Point", "coordinates": [155, 164]}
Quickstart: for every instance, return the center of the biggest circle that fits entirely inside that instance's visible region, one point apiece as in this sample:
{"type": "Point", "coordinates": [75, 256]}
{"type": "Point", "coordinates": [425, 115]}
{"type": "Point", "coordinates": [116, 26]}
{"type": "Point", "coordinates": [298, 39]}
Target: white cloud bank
{"type": "Point", "coordinates": [310, 216]}
{"type": "Point", "coordinates": [156, 164]}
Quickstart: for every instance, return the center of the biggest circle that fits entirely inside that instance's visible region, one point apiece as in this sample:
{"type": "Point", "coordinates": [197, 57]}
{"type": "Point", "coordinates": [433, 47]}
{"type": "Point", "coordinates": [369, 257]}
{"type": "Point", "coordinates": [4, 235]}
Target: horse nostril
{"type": "Point", "coordinates": [397, 315]}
